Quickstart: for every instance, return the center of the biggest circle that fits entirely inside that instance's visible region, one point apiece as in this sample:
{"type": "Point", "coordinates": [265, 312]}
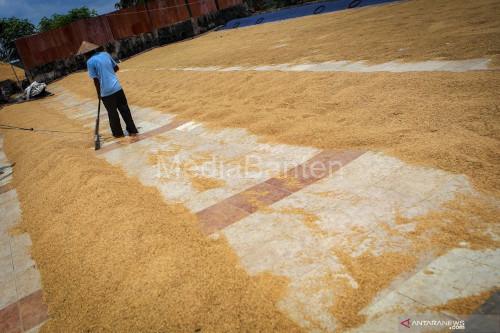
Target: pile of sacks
{"type": "Point", "coordinates": [34, 89]}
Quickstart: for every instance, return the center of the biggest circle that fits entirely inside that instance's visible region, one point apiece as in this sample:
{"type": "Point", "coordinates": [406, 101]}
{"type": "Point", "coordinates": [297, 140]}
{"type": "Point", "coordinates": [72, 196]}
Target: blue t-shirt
{"type": "Point", "coordinates": [101, 66]}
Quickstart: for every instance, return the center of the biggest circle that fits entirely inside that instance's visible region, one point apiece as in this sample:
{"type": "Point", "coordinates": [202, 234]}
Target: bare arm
{"type": "Point", "coordinates": [97, 88]}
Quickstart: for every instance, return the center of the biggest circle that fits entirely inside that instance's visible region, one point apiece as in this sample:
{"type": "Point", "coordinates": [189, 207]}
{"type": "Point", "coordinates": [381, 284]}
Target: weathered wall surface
{"type": "Point", "coordinates": [50, 55]}
{"type": "Point", "coordinates": [58, 44]}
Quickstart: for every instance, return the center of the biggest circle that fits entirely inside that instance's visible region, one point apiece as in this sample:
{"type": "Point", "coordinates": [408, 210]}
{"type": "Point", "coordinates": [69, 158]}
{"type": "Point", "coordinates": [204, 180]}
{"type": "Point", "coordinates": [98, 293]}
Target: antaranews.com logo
{"type": "Point", "coordinates": [476, 323]}
{"type": "Point", "coordinates": [418, 324]}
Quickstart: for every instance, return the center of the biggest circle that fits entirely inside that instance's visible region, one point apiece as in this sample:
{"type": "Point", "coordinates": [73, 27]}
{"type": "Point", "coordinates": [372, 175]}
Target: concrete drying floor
{"type": "Point", "coordinates": [245, 190]}
{"type": "Point", "coordinates": [248, 135]}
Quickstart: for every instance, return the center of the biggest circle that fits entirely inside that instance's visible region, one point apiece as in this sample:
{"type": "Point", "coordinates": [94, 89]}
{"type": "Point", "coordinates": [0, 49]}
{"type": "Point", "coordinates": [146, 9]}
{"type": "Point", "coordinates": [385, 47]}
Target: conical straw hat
{"type": "Point", "coordinates": [86, 47]}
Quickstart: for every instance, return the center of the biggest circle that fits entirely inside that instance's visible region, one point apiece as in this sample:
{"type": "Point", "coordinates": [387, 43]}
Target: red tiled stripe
{"type": "Point", "coordinates": [219, 216]}
{"type": "Point", "coordinates": [142, 136]}
{"type": "Point", "coordinates": [240, 205]}
{"type": "Point", "coordinates": [24, 314]}
{"type": "Point", "coordinates": [33, 310]}
{"type": "Point", "coordinates": [10, 321]}
{"type": "Point", "coordinates": [6, 188]}
{"type": "Point", "coordinates": [262, 194]}
{"type": "Point", "coordinates": [316, 168]}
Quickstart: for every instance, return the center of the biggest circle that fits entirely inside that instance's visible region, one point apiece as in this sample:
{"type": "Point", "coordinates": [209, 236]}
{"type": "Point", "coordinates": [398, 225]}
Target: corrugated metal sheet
{"type": "Point", "coordinates": [167, 12]}
{"type": "Point", "coordinates": [95, 30]}
{"type": "Point", "coordinates": [62, 43]}
{"type": "Point", "coordinates": [229, 3]}
{"type": "Point", "coordinates": [45, 47]}
{"type": "Point", "coordinates": [202, 7]}
{"type": "Point", "coordinates": [129, 22]}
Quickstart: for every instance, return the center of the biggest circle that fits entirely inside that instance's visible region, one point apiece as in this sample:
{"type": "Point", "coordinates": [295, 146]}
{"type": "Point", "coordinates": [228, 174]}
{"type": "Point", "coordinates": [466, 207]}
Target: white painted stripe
{"type": "Point", "coordinates": [202, 69]}
{"type": "Point", "coordinates": [189, 126]}
{"type": "Point", "coordinates": [356, 67]}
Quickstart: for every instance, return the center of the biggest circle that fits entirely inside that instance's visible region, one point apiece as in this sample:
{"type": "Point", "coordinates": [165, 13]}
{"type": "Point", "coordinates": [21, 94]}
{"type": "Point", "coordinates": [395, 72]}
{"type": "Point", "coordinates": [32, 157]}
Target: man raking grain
{"type": "Point", "coordinates": [102, 69]}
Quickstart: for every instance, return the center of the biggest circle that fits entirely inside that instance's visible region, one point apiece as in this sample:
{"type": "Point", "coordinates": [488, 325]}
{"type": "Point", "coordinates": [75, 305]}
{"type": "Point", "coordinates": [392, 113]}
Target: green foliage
{"type": "Point", "coordinates": [60, 20]}
{"type": "Point", "coordinates": [129, 3]}
{"type": "Point", "coordinates": [11, 29]}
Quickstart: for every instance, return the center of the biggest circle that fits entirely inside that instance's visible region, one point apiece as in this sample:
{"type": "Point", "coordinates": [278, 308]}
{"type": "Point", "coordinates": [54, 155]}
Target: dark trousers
{"type": "Point", "coordinates": [114, 102]}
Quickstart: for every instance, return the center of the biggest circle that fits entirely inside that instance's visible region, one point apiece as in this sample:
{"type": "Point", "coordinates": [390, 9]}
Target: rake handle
{"type": "Point", "coordinates": [97, 139]}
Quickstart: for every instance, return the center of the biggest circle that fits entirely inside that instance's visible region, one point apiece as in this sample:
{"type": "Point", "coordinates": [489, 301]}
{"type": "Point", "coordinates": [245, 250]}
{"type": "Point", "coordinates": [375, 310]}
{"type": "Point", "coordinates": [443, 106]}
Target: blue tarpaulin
{"type": "Point", "coordinates": [303, 10]}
